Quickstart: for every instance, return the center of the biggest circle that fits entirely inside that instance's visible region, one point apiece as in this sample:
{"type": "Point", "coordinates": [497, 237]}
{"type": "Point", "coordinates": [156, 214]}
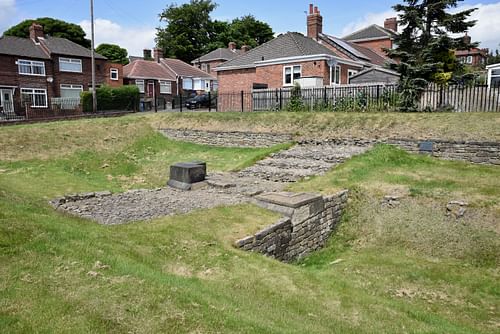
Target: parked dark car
{"type": "Point", "coordinates": [198, 102]}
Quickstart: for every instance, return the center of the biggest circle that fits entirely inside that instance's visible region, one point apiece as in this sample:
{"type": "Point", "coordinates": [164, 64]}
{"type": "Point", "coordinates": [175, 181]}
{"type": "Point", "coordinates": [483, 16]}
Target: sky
{"type": "Point", "coordinates": [132, 24]}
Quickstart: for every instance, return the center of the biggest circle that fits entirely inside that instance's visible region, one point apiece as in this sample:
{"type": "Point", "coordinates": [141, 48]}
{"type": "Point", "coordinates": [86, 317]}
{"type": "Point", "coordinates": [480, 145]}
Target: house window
{"type": "Point", "coordinates": [204, 67]}
{"type": "Point", "coordinates": [495, 78]}
{"type": "Point", "coordinates": [113, 73]}
{"type": "Point", "coordinates": [70, 65]}
{"type": "Point", "coordinates": [351, 73]}
{"type": "Point", "coordinates": [140, 85]}
{"type": "Point", "coordinates": [31, 67]}
{"type": "Point", "coordinates": [290, 74]}
{"type": "Point", "coordinates": [187, 84]}
{"type": "Point", "coordinates": [165, 87]}
{"type": "Point", "coordinates": [36, 98]}
{"type": "Point", "coordinates": [71, 91]}
{"type": "Point", "coordinates": [208, 68]}
{"type": "Point", "coordinates": [335, 75]}
{"type": "Point", "coordinates": [469, 59]}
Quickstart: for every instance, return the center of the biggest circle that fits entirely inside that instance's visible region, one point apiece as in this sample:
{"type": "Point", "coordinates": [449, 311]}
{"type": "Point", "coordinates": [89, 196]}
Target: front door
{"type": "Point", "coordinates": [151, 89]}
{"type": "Point", "coordinates": [6, 101]}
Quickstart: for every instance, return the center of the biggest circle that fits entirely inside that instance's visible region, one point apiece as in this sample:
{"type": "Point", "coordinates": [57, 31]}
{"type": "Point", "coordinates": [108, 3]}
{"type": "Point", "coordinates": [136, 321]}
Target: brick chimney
{"type": "Point", "coordinates": [147, 54]}
{"type": "Point", "coordinates": [391, 24]}
{"type": "Point", "coordinates": [36, 31]}
{"type": "Point", "coordinates": [232, 46]}
{"type": "Point", "coordinates": [158, 54]}
{"type": "Point", "coordinates": [467, 39]}
{"type": "Point", "coordinates": [314, 22]}
{"type": "Point", "coordinates": [245, 48]}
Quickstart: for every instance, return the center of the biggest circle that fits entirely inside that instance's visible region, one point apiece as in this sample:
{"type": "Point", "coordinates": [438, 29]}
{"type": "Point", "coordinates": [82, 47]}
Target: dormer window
{"type": "Point", "coordinates": [31, 67]}
{"type": "Point", "coordinates": [70, 65]}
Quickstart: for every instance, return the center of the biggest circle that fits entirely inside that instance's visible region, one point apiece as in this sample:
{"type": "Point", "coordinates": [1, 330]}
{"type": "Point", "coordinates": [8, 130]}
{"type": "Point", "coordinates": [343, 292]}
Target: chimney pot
{"type": "Point", "coordinates": [316, 10]}
{"type": "Point", "coordinates": [232, 46]}
{"type": "Point", "coordinates": [314, 23]}
{"type": "Point", "coordinates": [311, 9]}
{"type": "Point", "coordinates": [245, 48]}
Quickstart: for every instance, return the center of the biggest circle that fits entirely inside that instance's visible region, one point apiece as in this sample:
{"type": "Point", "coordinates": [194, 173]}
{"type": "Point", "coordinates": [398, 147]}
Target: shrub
{"type": "Point", "coordinates": [121, 98]}
{"type": "Point", "coordinates": [296, 103]}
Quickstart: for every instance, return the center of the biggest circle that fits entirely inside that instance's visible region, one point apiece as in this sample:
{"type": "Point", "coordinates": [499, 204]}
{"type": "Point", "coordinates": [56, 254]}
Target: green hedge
{"type": "Point", "coordinates": [121, 98]}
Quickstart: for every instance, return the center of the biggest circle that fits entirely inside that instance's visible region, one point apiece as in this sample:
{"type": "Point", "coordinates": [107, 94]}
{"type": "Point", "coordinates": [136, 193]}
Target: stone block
{"type": "Point", "coordinates": [184, 175]}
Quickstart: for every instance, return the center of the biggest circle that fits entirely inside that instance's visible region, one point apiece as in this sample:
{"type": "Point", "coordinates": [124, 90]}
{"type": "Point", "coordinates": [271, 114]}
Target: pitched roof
{"type": "Point", "coordinates": [182, 69]}
{"type": "Point", "coordinates": [63, 46]}
{"type": "Point", "coordinates": [291, 44]}
{"type": "Point", "coordinates": [24, 47]}
{"type": "Point", "coordinates": [377, 69]}
{"type": "Point", "coordinates": [147, 69]}
{"type": "Point", "coordinates": [371, 32]}
{"type": "Point", "coordinates": [219, 54]}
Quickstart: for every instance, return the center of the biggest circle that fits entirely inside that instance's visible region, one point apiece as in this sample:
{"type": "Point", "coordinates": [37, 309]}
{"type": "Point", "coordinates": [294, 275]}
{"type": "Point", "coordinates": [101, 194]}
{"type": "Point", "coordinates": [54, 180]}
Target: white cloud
{"type": "Point", "coordinates": [131, 38]}
{"type": "Point", "coordinates": [7, 11]}
{"type": "Point", "coordinates": [486, 30]}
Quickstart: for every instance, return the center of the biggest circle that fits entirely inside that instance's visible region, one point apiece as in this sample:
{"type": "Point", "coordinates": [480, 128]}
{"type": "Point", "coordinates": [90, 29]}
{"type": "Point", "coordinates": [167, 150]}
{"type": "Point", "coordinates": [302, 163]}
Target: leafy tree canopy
{"type": "Point", "coordinates": [114, 53]}
{"type": "Point", "coordinates": [52, 27]}
{"type": "Point", "coordinates": [190, 32]}
{"type": "Point", "coordinates": [425, 46]}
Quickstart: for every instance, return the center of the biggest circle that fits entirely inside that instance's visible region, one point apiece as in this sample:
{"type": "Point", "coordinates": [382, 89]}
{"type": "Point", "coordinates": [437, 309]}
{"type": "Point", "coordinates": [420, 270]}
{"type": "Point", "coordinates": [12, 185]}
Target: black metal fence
{"type": "Point", "coordinates": [363, 98]}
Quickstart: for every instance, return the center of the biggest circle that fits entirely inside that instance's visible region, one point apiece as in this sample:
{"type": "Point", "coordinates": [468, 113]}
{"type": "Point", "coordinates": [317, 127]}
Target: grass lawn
{"type": "Point", "coordinates": [404, 270]}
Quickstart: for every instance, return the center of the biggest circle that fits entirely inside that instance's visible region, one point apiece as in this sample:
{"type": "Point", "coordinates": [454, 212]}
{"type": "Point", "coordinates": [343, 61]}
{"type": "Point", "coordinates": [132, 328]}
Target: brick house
{"type": "Point", "coordinates": [188, 79]}
{"type": "Point", "coordinates": [156, 83]}
{"type": "Point", "coordinates": [375, 37]}
{"type": "Point", "coordinates": [474, 57]}
{"type": "Point", "coordinates": [211, 60]}
{"type": "Point", "coordinates": [292, 56]}
{"type": "Point", "coordinates": [37, 69]}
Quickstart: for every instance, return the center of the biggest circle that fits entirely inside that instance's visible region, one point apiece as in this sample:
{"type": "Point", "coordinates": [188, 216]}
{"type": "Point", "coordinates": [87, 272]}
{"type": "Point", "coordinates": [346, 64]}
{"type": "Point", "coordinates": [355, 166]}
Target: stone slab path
{"type": "Point", "coordinates": [223, 189]}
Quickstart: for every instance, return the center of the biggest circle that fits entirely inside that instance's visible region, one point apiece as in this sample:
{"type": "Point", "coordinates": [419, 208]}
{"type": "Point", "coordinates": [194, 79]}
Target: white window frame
{"type": "Point", "coordinates": [186, 80]}
{"type": "Point", "coordinates": [351, 73]}
{"type": "Point", "coordinates": [469, 60]}
{"type": "Point", "coordinates": [165, 87]}
{"type": "Point", "coordinates": [141, 85]}
{"type": "Point", "coordinates": [71, 86]}
{"type": "Point", "coordinates": [33, 99]}
{"type": "Point", "coordinates": [23, 63]}
{"type": "Point", "coordinates": [116, 72]}
{"type": "Point", "coordinates": [292, 72]}
{"type": "Point", "coordinates": [333, 75]}
{"type": "Point", "coordinates": [492, 76]}
{"type": "Point", "coordinates": [63, 60]}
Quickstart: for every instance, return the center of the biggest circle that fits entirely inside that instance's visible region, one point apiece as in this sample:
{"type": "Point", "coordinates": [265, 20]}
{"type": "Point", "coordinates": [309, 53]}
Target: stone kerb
{"type": "Point", "coordinates": [308, 222]}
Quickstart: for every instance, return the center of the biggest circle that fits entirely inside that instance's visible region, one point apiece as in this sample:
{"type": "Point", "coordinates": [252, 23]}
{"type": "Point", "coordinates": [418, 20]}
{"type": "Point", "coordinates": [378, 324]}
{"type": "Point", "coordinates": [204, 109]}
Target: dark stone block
{"type": "Point", "coordinates": [426, 147]}
{"type": "Point", "coordinates": [184, 175]}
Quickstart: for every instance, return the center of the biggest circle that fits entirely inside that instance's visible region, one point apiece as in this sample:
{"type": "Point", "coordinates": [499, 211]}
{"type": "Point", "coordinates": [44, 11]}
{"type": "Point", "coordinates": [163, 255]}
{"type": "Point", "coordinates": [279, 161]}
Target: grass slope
{"type": "Point", "coordinates": [405, 270]}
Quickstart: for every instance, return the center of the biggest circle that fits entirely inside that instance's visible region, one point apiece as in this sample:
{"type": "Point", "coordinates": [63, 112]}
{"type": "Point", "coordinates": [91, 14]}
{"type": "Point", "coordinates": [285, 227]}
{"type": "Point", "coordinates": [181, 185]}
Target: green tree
{"type": "Point", "coordinates": [424, 48]}
{"type": "Point", "coordinates": [494, 58]}
{"type": "Point", "coordinates": [52, 27]}
{"type": "Point", "coordinates": [188, 29]}
{"type": "Point", "coordinates": [247, 30]}
{"type": "Point", "coordinates": [191, 33]}
{"type": "Point", "coordinates": [114, 53]}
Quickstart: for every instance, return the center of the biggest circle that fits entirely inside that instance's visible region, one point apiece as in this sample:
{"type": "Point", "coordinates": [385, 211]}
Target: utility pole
{"type": "Point", "coordinates": [94, 96]}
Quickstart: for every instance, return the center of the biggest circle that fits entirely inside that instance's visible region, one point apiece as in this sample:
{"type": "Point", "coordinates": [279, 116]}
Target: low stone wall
{"type": "Point", "coordinates": [487, 153]}
{"type": "Point", "coordinates": [307, 224]}
{"type": "Point", "coordinates": [228, 139]}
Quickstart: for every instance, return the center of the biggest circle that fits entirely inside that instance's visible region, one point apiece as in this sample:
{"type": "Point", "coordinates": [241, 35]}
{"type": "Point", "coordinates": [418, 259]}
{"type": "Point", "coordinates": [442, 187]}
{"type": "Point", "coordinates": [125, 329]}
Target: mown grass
{"type": "Point", "coordinates": [404, 270]}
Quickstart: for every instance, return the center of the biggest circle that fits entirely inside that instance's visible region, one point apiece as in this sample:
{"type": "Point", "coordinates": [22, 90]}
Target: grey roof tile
{"type": "Point", "coordinates": [63, 46]}
{"type": "Point", "coordinates": [218, 54]}
{"type": "Point", "coordinates": [371, 32]}
{"type": "Point", "coordinates": [22, 47]}
{"type": "Point", "coordinates": [291, 44]}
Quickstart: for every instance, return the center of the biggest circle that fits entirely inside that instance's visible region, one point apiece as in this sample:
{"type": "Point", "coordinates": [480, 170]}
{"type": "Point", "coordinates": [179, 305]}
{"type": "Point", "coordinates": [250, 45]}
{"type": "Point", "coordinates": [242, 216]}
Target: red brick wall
{"type": "Point", "coordinates": [377, 45]}
{"type": "Point", "coordinates": [84, 78]}
{"type": "Point", "coordinates": [107, 74]}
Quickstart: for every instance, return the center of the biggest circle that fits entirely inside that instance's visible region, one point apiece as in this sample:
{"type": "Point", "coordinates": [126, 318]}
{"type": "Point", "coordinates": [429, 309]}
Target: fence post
{"type": "Point", "coordinates": [281, 99]}
{"type": "Point", "coordinates": [180, 102]}
{"type": "Point", "coordinates": [324, 96]}
{"type": "Point", "coordinates": [440, 96]}
{"type": "Point", "coordinates": [209, 102]}
{"type": "Point", "coordinates": [242, 102]}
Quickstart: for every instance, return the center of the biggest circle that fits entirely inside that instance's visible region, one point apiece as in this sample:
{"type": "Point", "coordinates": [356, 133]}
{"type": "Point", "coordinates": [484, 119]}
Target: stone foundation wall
{"type": "Point", "coordinates": [487, 153]}
{"type": "Point", "coordinates": [307, 224]}
{"type": "Point", "coordinates": [228, 139]}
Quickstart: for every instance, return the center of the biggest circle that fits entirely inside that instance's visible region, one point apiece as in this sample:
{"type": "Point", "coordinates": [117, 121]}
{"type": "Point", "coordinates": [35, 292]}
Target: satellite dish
{"type": "Point", "coordinates": [331, 62]}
